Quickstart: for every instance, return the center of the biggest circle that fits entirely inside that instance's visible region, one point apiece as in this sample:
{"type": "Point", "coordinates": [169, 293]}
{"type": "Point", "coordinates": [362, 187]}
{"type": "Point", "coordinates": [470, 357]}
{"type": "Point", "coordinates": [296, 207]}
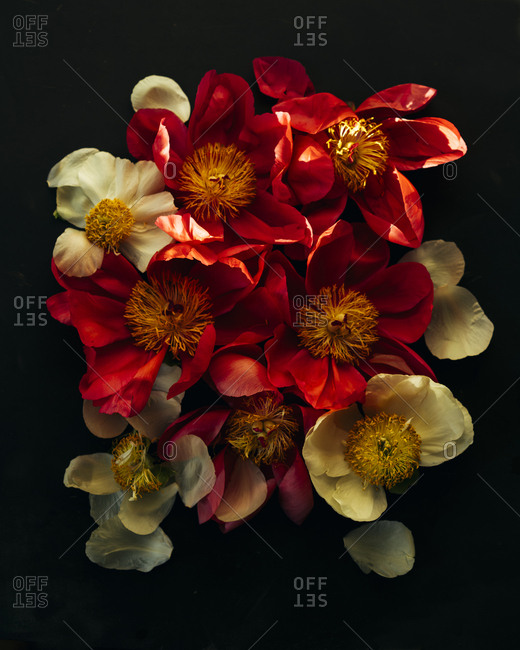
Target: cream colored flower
{"type": "Point", "coordinates": [408, 421]}
{"type": "Point", "coordinates": [161, 92]}
{"type": "Point", "coordinates": [115, 204]}
{"type": "Point", "coordinates": [458, 328]}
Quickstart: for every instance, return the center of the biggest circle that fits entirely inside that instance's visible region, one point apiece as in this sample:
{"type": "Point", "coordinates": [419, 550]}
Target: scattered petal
{"type": "Point", "coordinates": [102, 425]}
{"type": "Point", "coordinates": [161, 92]}
{"type": "Point", "coordinates": [443, 260]}
{"type": "Point", "coordinates": [75, 256]}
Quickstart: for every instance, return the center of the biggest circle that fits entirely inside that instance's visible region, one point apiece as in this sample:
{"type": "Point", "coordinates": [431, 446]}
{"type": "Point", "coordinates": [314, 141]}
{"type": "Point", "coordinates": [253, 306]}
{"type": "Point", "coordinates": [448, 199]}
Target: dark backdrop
{"type": "Point", "coordinates": [237, 591]}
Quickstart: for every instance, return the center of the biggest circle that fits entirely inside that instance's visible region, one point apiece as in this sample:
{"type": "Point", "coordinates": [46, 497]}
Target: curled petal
{"type": "Point", "coordinates": [386, 547]}
{"type": "Point", "coordinates": [398, 100]}
{"type": "Point", "coordinates": [161, 92]}
{"type": "Point", "coordinates": [282, 78]}
{"type": "Point", "coordinates": [91, 473]}
{"type": "Point", "coordinates": [113, 546]}
{"type": "Point", "coordinates": [315, 113]}
{"type": "Point", "coordinates": [459, 328]}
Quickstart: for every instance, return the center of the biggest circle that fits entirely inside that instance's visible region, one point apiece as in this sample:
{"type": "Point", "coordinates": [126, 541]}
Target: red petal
{"type": "Point", "coordinates": [316, 112]}
{"type": "Point", "coordinates": [282, 78]}
{"type": "Point", "coordinates": [392, 208]}
{"type": "Point", "coordinates": [99, 320]}
{"type": "Point", "coordinates": [426, 142]}
{"type": "Point", "coordinates": [267, 142]}
{"type": "Point", "coordinates": [58, 306]}
{"type": "Point", "coordinates": [238, 371]}
{"type": "Point", "coordinates": [294, 489]}
{"type": "Point", "coordinates": [206, 507]}
{"type": "Point", "coordinates": [194, 367]}
{"type": "Point", "coordinates": [311, 173]}
{"type": "Point", "coordinates": [144, 126]}
{"type": "Point", "coordinates": [183, 228]}
{"type": "Point", "coordinates": [205, 423]}
{"type": "Point", "coordinates": [395, 101]}
{"type": "Point", "coordinates": [395, 357]}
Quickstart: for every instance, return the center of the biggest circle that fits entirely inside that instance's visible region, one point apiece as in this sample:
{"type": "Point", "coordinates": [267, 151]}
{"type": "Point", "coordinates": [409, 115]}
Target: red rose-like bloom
{"type": "Point", "coordinates": [255, 442]}
{"type": "Point", "coordinates": [128, 324]}
{"type": "Point", "coordinates": [351, 318]}
{"type": "Point", "coordinates": [220, 167]}
{"type": "Point", "coordinates": [365, 150]}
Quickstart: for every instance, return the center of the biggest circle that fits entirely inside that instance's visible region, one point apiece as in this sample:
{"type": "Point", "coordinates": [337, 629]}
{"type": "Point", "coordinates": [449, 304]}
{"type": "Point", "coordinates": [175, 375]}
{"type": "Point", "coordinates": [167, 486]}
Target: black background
{"type": "Point", "coordinates": [234, 592]}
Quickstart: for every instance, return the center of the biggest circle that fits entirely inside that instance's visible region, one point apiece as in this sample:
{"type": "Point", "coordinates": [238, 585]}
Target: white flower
{"type": "Point", "coordinates": [115, 202]}
{"type": "Point", "coordinates": [409, 421]}
{"type": "Point", "coordinates": [458, 328]}
{"type": "Point", "coordinates": [161, 92]}
{"type": "Point", "coordinates": [385, 547]}
{"type": "Point", "coordinates": [130, 495]}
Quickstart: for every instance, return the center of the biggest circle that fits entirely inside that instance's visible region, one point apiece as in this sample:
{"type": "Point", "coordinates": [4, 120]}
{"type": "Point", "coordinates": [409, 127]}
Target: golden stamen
{"type": "Point", "coordinates": [108, 223]}
{"type": "Point", "coordinates": [216, 181]}
{"type": "Point", "coordinates": [358, 148]}
{"type": "Point", "coordinates": [383, 450]}
{"type": "Point", "coordinates": [174, 313]}
{"type": "Point", "coordinates": [132, 466]}
{"type": "Point", "coordinates": [262, 431]}
{"type": "Point", "coordinates": [341, 323]}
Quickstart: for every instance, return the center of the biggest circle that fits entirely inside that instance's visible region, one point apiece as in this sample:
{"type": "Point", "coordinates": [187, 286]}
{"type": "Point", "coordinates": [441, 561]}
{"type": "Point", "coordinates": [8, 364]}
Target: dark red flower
{"type": "Point", "coordinates": [128, 325]}
{"type": "Point", "coordinates": [221, 166]}
{"type": "Point", "coordinates": [363, 151]}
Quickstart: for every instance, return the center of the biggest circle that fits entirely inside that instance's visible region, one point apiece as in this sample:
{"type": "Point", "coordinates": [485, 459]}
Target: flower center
{"type": "Point", "coordinates": [340, 323]}
{"type": "Point", "coordinates": [132, 466]}
{"type": "Point", "coordinates": [383, 450]}
{"type": "Point", "coordinates": [215, 182]}
{"type": "Point", "coordinates": [358, 148]}
{"type": "Point", "coordinates": [108, 223]}
{"type": "Point", "coordinates": [263, 431]}
{"type": "Point", "coordinates": [175, 312]}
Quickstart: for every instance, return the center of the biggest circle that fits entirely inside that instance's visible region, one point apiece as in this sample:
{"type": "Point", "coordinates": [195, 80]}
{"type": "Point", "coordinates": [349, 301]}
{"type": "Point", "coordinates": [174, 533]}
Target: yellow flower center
{"type": "Point", "coordinates": [175, 313]}
{"type": "Point", "coordinates": [132, 467]}
{"type": "Point", "coordinates": [215, 182]}
{"type": "Point", "coordinates": [358, 148]}
{"type": "Point", "coordinates": [339, 323]}
{"type": "Point", "coordinates": [383, 450]}
{"type": "Point", "coordinates": [108, 223]}
{"type": "Point", "coordinates": [263, 431]}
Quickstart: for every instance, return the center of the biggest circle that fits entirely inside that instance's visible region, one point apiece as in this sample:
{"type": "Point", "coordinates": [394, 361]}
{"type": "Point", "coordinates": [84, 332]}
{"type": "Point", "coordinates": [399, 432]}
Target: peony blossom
{"type": "Point", "coordinates": [115, 203]}
{"type": "Point", "coordinates": [406, 422]}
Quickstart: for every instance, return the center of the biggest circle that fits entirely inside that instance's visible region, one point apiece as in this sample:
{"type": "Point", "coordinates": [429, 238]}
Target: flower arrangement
{"type": "Point", "coordinates": [223, 256]}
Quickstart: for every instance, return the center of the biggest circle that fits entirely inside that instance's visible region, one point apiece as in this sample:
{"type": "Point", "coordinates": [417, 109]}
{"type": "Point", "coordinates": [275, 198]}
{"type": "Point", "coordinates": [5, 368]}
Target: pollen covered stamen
{"type": "Point", "coordinates": [132, 467]}
{"type": "Point", "coordinates": [340, 323]}
{"type": "Point", "coordinates": [263, 431]}
{"type": "Point", "coordinates": [108, 223]}
{"type": "Point", "coordinates": [216, 181]}
{"type": "Point", "coordinates": [358, 148]}
{"type": "Point", "coordinates": [383, 450]}
{"type": "Point", "coordinates": [174, 313]}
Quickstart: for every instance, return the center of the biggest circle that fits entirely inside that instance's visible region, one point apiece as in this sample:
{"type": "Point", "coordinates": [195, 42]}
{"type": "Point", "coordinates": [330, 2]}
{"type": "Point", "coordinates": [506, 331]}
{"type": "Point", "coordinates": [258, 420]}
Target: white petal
{"type": "Point", "coordinates": [385, 547]}
{"type": "Point", "coordinates": [166, 377]}
{"type": "Point", "coordinates": [431, 408]}
{"type": "Point", "coordinates": [105, 506]}
{"type": "Point", "coordinates": [91, 473]}
{"type": "Point", "coordinates": [194, 469]}
{"type": "Point", "coordinates": [126, 181]}
{"type": "Point", "coordinates": [75, 256]}
{"type": "Point", "coordinates": [466, 438]}
{"type": "Point", "coordinates": [140, 246]}
{"type": "Point", "coordinates": [246, 491]}
{"type": "Point", "coordinates": [161, 92]}
{"type": "Point", "coordinates": [66, 171]}
{"type": "Point", "coordinates": [353, 500]}
{"type": "Point", "coordinates": [96, 176]}
{"type": "Point", "coordinates": [443, 259]}
{"type": "Point", "coordinates": [143, 515]}
{"type": "Point", "coordinates": [151, 180]}
{"type": "Point", "coordinates": [102, 425]}
{"type": "Point", "coordinates": [458, 328]}
{"type": "Point", "coordinates": [72, 204]}
{"type": "Point", "coordinates": [115, 547]}
{"type": "Point", "coordinates": [157, 415]}
{"type": "Point", "coordinates": [323, 450]}
{"type": "Point", "coordinates": [148, 208]}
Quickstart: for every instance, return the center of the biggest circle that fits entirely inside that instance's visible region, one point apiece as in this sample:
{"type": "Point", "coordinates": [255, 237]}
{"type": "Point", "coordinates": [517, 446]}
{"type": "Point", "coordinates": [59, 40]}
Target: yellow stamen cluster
{"type": "Point", "coordinates": [340, 323]}
{"type": "Point", "coordinates": [132, 467]}
{"type": "Point", "coordinates": [216, 181]}
{"type": "Point", "coordinates": [174, 313]}
{"type": "Point", "coordinates": [358, 148]}
{"type": "Point", "coordinates": [262, 431]}
{"type": "Point", "coordinates": [108, 223]}
{"type": "Point", "coordinates": [383, 450]}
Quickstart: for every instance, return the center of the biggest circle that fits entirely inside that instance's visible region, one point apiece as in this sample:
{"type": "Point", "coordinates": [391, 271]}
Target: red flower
{"type": "Point", "coordinates": [220, 167]}
{"type": "Point", "coordinates": [127, 325]}
{"type": "Point", "coordinates": [362, 151]}
{"type": "Point", "coordinates": [351, 318]}
{"type": "Point", "coordinates": [255, 441]}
